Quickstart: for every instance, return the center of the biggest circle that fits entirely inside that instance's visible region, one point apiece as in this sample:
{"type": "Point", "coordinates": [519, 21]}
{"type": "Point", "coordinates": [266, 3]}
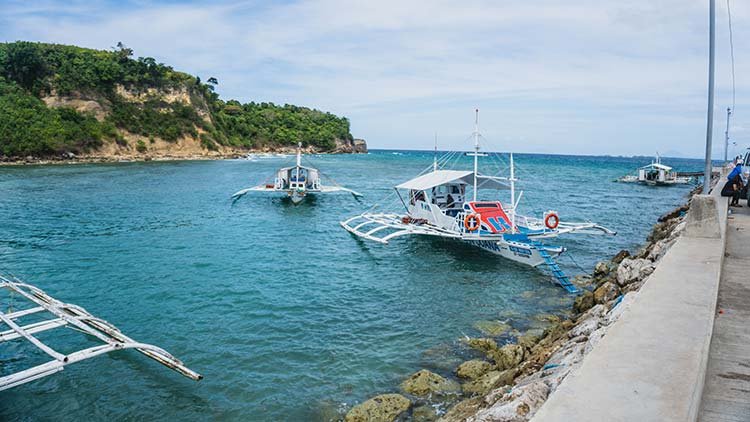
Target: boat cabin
{"type": "Point", "coordinates": [298, 177]}
{"type": "Point", "coordinates": [440, 196]}
{"type": "Point", "coordinates": [656, 173]}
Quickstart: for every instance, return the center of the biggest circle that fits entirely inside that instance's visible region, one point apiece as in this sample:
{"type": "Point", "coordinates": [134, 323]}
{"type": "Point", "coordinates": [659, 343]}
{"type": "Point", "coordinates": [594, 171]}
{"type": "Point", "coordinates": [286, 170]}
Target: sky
{"type": "Point", "coordinates": [600, 77]}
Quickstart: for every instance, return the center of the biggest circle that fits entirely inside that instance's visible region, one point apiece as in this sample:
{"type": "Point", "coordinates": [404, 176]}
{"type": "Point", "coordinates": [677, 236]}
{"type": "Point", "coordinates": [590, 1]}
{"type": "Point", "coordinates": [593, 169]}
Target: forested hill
{"type": "Point", "coordinates": [60, 100]}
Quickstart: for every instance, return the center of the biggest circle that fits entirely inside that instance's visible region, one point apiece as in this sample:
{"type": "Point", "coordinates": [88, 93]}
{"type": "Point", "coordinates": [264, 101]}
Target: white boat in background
{"type": "Point", "coordinates": [656, 174]}
{"type": "Point", "coordinates": [438, 204]}
{"type": "Point", "coordinates": [296, 182]}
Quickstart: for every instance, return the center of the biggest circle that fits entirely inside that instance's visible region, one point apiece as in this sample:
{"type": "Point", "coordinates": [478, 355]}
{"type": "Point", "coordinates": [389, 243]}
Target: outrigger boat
{"type": "Point", "coordinates": [296, 182]}
{"type": "Point", "coordinates": [656, 174]}
{"type": "Point", "coordinates": [437, 205]}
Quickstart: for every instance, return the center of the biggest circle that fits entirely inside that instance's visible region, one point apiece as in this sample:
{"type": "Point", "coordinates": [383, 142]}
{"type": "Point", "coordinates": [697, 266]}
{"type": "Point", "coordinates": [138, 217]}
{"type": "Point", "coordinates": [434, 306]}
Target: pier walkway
{"type": "Point", "coordinates": [726, 395]}
{"type": "Point", "coordinates": [653, 362]}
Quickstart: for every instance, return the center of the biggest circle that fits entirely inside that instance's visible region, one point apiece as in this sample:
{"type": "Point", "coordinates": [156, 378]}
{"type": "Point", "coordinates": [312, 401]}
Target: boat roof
{"type": "Point", "coordinates": [659, 166]}
{"type": "Point", "coordinates": [442, 177]}
{"type": "Point", "coordinates": [294, 167]}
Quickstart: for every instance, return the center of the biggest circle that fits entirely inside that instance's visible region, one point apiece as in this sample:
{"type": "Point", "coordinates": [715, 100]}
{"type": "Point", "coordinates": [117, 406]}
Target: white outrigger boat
{"type": "Point", "coordinates": [437, 205]}
{"type": "Point", "coordinates": [296, 182]}
{"type": "Point", "coordinates": [656, 174]}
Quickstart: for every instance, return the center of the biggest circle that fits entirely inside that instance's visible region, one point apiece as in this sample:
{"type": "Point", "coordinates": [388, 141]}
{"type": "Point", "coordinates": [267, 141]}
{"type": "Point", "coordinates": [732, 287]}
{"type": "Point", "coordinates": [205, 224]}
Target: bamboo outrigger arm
{"type": "Point", "coordinates": [75, 317]}
{"type": "Point", "coordinates": [383, 227]}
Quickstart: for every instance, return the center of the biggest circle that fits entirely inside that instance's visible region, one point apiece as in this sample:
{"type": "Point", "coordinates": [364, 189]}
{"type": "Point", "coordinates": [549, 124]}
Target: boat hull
{"type": "Point", "coordinates": [297, 196]}
{"type": "Point", "coordinates": [515, 251]}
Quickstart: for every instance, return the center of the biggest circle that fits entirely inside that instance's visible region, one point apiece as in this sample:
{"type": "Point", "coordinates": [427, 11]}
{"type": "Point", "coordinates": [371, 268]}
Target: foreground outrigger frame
{"type": "Point", "coordinates": [74, 317]}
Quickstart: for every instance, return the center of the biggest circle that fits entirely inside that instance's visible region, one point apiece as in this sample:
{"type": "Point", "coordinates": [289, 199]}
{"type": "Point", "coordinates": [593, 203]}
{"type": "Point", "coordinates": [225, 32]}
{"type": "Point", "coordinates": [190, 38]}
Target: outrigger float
{"type": "Point", "coordinates": [296, 182]}
{"type": "Point", "coordinates": [437, 205]}
{"type": "Point", "coordinates": [70, 316]}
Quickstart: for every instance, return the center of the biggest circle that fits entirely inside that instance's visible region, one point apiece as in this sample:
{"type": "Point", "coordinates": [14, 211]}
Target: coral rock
{"type": "Point", "coordinates": [631, 270]}
{"type": "Point", "coordinates": [424, 383]}
{"type": "Point", "coordinates": [601, 269]}
{"type": "Point", "coordinates": [528, 340]}
{"type": "Point", "coordinates": [605, 293]}
{"type": "Point", "coordinates": [462, 410]}
{"type": "Point", "coordinates": [490, 381]}
{"type": "Point", "coordinates": [584, 302]}
{"type": "Point", "coordinates": [485, 345]}
{"type": "Point", "coordinates": [474, 368]}
{"type": "Point", "coordinates": [382, 408]}
{"type": "Point", "coordinates": [491, 328]}
{"type": "Point", "coordinates": [520, 404]}
{"type": "Point", "coordinates": [424, 413]}
{"type": "Point", "coordinates": [620, 256]}
{"type": "Point", "coordinates": [508, 356]}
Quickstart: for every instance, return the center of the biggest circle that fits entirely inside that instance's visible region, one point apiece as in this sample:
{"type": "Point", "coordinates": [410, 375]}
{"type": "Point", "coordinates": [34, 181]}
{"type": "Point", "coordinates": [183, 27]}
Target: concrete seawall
{"type": "Point", "coordinates": [651, 365]}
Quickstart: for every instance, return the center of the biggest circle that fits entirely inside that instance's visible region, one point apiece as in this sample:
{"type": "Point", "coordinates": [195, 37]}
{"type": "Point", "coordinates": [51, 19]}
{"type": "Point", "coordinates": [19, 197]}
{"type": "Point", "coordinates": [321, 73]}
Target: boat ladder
{"type": "Point", "coordinates": [558, 273]}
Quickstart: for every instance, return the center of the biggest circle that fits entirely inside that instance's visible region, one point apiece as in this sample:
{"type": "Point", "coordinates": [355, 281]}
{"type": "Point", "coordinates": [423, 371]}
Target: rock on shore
{"type": "Point", "coordinates": [382, 408]}
{"type": "Point", "coordinates": [424, 383]}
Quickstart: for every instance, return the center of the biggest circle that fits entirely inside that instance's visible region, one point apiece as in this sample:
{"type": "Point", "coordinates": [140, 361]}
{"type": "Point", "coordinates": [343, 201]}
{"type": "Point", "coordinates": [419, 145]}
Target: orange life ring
{"type": "Point", "coordinates": [472, 217]}
{"type": "Point", "coordinates": [555, 220]}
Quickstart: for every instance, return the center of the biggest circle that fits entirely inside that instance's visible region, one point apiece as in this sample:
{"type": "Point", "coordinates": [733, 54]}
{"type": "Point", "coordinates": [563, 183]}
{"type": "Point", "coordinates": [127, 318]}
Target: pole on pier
{"type": "Point", "coordinates": [710, 114]}
{"type": "Point", "coordinates": [726, 136]}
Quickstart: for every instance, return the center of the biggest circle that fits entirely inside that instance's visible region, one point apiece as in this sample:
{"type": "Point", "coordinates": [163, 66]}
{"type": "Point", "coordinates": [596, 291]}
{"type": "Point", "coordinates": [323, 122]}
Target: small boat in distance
{"type": "Point", "coordinates": [444, 203]}
{"type": "Point", "coordinates": [656, 174]}
{"type": "Point", "coordinates": [296, 182]}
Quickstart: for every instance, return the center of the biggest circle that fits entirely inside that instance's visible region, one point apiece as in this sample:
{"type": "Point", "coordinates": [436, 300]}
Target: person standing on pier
{"type": "Point", "coordinates": [736, 171]}
{"type": "Point", "coordinates": [733, 188]}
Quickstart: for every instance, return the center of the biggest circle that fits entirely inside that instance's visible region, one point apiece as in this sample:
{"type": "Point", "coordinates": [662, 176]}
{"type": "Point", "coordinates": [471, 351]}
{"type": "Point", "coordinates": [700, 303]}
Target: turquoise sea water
{"type": "Point", "coordinates": [286, 315]}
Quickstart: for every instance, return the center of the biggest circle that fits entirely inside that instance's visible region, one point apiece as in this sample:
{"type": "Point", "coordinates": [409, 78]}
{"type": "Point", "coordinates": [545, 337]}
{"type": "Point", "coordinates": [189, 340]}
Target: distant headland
{"type": "Point", "coordinates": [60, 102]}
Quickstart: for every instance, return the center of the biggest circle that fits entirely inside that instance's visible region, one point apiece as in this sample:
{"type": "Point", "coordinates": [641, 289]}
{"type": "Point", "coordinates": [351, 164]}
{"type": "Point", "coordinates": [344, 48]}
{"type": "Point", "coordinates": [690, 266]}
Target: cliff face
{"type": "Point", "coordinates": [129, 145]}
{"type": "Point", "coordinates": [60, 101]}
{"type": "Point", "coordinates": [351, 146]}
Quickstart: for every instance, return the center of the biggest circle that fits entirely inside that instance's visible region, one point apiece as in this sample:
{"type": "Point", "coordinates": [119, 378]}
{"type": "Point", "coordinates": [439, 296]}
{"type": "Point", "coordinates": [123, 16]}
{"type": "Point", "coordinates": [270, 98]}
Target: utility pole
{"type": "Point", "coordinates": [710, 114]}
{"type": "Point", "coordinates": [726, 136]}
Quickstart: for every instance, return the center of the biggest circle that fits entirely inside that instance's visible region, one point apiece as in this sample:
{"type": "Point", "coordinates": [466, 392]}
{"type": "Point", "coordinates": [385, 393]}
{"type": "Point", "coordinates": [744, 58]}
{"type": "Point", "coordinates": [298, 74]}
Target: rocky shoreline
{"type": "Point", "coordinates": [357, 147]}
{"type": "Point", "coordinates": [510, 382]}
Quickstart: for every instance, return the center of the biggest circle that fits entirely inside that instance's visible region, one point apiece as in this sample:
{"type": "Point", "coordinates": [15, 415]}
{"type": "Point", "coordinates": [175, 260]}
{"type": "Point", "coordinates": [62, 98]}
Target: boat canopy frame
{"type": "Point", "coordinates": [74, 317]}
{"type": "Point", "coordinates": [446, 177]}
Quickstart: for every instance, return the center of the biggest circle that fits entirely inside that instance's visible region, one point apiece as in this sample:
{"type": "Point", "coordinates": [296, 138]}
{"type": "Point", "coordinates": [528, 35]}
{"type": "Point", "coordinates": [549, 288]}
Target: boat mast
{"type": "Point", "coordinates": [434, 156]}
{"type": "Point", "coordinates": [512, 194]}
{"type": "Point", "coordinates": [299, 158]}
{"type": "Point", "coordinates": [476, 151]}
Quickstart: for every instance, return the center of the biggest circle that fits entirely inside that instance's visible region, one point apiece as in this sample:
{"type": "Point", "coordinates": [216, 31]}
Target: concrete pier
{"type": "Point", "coordinates": [652, 363]}
{"type": "Point", "coordinates": [726, 395]}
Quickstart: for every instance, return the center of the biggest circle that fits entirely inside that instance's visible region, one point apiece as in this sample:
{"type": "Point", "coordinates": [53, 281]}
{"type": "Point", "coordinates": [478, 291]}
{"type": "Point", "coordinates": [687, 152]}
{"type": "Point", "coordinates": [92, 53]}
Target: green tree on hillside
{"type": "Point", "coordinates": [29, 71]}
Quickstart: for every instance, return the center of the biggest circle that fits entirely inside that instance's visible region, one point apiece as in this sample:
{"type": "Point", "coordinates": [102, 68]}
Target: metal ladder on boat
{"type": "Point", "coordinates": [558, 273]}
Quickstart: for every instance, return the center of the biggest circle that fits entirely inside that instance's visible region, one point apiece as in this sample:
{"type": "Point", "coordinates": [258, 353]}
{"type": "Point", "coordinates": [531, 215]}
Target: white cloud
{"type": "Point", "coordinates": [590, 77]}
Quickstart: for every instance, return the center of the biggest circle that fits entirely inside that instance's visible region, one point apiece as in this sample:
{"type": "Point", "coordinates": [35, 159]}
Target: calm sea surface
{"type": "Point", "coordinates": [286, 315]}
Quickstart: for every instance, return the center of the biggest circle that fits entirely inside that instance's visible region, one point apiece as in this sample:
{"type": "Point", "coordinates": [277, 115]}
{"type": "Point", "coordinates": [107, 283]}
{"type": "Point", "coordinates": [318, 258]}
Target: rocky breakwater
{"type": "Point", "coordinates": [510, 382]}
